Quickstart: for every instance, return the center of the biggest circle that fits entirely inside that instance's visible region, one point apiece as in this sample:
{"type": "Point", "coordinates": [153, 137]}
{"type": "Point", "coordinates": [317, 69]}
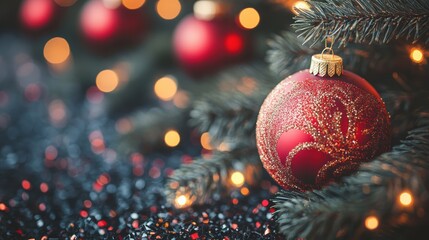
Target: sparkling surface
{"type": "Point", "coordinates": [348, 124]}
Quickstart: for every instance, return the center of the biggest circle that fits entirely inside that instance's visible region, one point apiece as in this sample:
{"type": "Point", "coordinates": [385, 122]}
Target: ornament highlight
{"type": "Point", "coordinates": [313, 129]}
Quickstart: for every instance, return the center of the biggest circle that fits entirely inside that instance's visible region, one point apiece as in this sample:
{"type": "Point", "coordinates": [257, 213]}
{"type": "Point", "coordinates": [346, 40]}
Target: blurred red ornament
{"type": "Point", "coordinates": [313, 130]}
{"type": "Point", "coordinates": [204, 46]}
{"type": "Point", "coordinates": [37, 15]}
{"type": "Point", "coordinates": [104, 27]}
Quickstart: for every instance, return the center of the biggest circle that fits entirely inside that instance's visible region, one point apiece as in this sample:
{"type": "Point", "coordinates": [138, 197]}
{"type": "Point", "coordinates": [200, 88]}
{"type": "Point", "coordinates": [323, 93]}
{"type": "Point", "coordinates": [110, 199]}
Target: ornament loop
{"type": "Point", "coordinates": [323, 65]}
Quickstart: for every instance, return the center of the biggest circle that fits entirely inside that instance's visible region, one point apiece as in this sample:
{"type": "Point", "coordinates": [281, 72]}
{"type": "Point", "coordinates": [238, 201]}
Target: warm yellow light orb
{"type": "Point", "coordinates": [237, 178]}
{"type": "Point", "coordinates": [300, 5]}
{"type": "Point", "coordinates": [205, 141]}
{"type": "Point", "coordinates": [56, 50]}
{"type": "Point", "coordinates": [172, 138]}
{"type": "Point", "coordinates": [107, 80]}
{"type": "Point", "coordinates": [416, 55]}
{"type": "Point", "coordinates": [371, 222]}
{"type": "Point", "coordinates": [405, 198]}
{"type": "Point", "coordinates": [133, 4]}
{"type": "Point", "coordinates": [165, 88]}
{"type": "Point", "coordinates": [249, 18]}
{"type": "Point", "coordinates": [168, 9]}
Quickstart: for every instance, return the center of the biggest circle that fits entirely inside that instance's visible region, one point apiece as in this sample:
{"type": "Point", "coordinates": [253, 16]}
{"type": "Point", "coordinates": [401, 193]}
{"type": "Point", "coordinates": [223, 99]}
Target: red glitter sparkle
{"type": "Point", "coordinates": [102, 223]}
{"type": "Point", "coordinates": [44, 187]}
{"type": "Point", "coordinates": [83, 213]}
{"type": "Point", "coordinates": [194, 236]}
{"type": "Point", "coordinates": [26, 184]}
{"type": "Point", "coordinates": [265, 202]}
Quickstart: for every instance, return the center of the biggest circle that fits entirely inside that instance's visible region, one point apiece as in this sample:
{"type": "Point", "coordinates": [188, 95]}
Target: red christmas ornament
{"type": "Point", "coordinates": [104, 27]}
{"type": "Point", "coordinates": [314, 129]}
{"type": "Point", "coordinates": [205, 44]}
{"type": "Point", "coordinates": [37, 15]}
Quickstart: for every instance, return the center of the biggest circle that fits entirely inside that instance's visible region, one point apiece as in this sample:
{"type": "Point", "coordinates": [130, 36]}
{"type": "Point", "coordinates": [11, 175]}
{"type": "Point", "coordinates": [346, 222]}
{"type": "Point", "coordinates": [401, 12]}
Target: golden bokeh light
{"type": "Point", "coordinates": [205, 141]}
{"type": "Point", "coordinates": [249, 18]}
{"type": "Point", "coordinates": [237, 178]}
{"type": "Point", "coordinates": [416, 55]}
{"type": "Point", "coordinates": [172, 138]}
{"type": "Point", "coordinates": [245, 191]}
{"type": "Point", "coordinates": [168, 9]}
{"type": "Point", "coordinates": [133, 4]}
{"type": "Point", "coordinates": [56, 50]}
{"type": "Point", "coordinates": [107, 80]}
{"type": "Point", "coordinates": [371, 222]}
{"type": "Point", "coordinates": [302, 5]}
{"type": "Point", "coordinates": [405, 198]}
{"type": "Point", "coordinates": [65, 3]}
{"type": "Point", "coordinates": [165, 88]}
{"type": "Point", "coordinates": [111, 4]}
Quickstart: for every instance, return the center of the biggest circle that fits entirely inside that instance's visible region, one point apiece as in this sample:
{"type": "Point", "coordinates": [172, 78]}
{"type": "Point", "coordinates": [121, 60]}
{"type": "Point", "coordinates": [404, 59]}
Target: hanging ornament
{"type": "Point", "coordinates": [319, 124]}
{"type": "Point", "coordinates": [209, 39]}
{"type": "Point", "coordinates": [105, 27]}
{"type": "Point", "coordinates": [38, 15]}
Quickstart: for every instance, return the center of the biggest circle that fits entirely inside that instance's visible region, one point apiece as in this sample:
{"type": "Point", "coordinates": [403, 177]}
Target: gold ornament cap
{"type": "Point", "coordinates": [326, 63]}
{"type": "Point", "coordinates": [210, 9]}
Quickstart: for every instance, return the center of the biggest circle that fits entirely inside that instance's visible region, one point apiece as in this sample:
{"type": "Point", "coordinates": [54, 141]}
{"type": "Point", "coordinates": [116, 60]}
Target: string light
{"type": "Point", "coordinates": [249, 18]}
{"type": "Point", "coordinates": [405, 198]}
{"type": "Point", "coordinates": [237, 178]}
{"type": "Point", "coordinates": [172, 138]}
{"type": "Point", "coordinates": [205, 141]}
{"type": "Point", "coordinates": [107, 80]}
{"type": "Point", "coordinates": [165, 88]}
{"type": "Point", "coordinates": [168, 9]}
{"type": "Point", "coordinates": [245, 191]}
{"type": "Point", "coordinates": [133, 4]}
{"type": "Point", "coordinates": [56, 50]}
{"type": "Point", "coordinates": [302, 5]}
{"type": "Point", "coordinates": [416, 55]}
{"type": "Point", "coordinates": [371, 222]}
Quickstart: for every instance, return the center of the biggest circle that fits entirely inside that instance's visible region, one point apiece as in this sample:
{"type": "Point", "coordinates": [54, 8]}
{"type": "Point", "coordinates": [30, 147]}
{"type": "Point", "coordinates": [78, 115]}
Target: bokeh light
{"type": "Point", "coordinates": [416, 55]}
{"type": "Point", "coordinates": [405, 198]}
{"type": "Point", "coordinates": [302, 5]}
{"type": "Point", "coordinates": [133, 4]}
{"type": "Point", "coordinates": [168, 9]}
{"type": "Point", "coordinates": [165, 88]}
{"type": "Point", "coordinates": [107, 80]}
{"type": "Point", "coordinates": [111, 4]}
{"type": "Point", "coordinates": [237, 178]}
{"type": "Point", "coordinates": [56, 50]}
{"type": "Point", "coordinates": [37, 14]}
{"type": "Point", "coordinates": [249, 18]}
{"type": "Point", "coordinates": [172, 138]}
{"type": "Point", "coordinates": [205, 141]}
{"type": "Point", "coordinates": [234, 43]}
{"type": "Point", "coordinates": [206, 10]}
{"type": "Point", "coordinates": [371, 222]}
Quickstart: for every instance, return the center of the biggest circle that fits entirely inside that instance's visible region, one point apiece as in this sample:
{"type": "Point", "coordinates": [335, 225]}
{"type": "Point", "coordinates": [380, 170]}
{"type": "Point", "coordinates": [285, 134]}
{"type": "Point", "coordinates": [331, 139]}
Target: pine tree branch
{"type": "Point", "coordinates": [232, 113]}
{"type": "Point", "coordinates": [367, 21]}
{"type": "Point", "coordinates": [205, 181]}
{"type": "Point", "coordinates": [288, 55]}
{"type": "Point", "coordinates": [339, 210]}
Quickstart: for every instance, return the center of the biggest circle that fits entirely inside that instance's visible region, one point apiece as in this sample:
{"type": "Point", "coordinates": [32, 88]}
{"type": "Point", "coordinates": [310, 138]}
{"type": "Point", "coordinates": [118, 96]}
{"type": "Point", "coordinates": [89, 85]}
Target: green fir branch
{"type": "Point", "coordinates": [339, 211]}
{"type": "Point", "coordinates": [288, 55]}
{"type": "Point", "coordinates": [366, 21]}
{"type": "Point", "coordinates": [206, 180]}
{"type": "Point", "coordinates": [231, 113]}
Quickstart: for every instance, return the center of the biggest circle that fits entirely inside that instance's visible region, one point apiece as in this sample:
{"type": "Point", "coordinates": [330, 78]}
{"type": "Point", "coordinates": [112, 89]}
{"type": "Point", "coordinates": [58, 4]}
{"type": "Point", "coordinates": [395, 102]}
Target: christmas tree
{"type": "Point", "coordinates": [170, 119]}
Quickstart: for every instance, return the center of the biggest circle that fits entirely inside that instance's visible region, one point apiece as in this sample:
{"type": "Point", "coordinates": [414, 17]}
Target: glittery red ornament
{"type": "Point", "coordinates": [204, 46]}
{"type": "Point", "coordinates": [313, 130]}
{"type": "Point", "coordinates": [105, 28]}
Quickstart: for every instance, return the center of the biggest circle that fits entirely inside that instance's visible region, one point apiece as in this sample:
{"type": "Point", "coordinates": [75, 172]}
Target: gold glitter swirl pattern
{"type": "Point", "coordinates": [346, 122]}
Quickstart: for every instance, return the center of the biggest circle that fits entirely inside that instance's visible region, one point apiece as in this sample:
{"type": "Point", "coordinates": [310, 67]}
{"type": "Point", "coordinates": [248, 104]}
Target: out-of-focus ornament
{"type": "Point", "coordinates": [209, 39]}
{"type": "Point", "coordinates": [106, 27]}
{"type": "Point", "coordinates": [38, 15]}
{"type": "Point", "coordinates": [319, 124]}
